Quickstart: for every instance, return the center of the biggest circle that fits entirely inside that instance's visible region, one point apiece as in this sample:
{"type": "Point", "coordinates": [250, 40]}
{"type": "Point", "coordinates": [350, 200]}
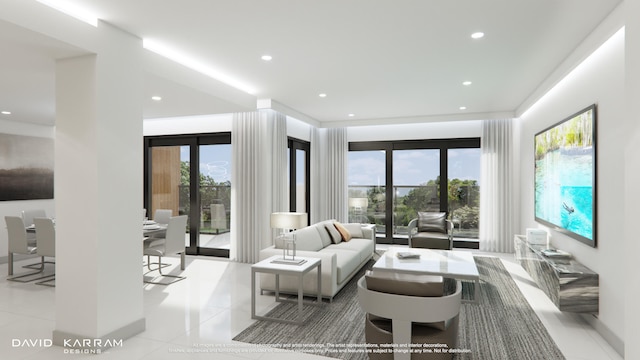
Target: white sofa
{"type": "Point", "coordinates": [340, 261]}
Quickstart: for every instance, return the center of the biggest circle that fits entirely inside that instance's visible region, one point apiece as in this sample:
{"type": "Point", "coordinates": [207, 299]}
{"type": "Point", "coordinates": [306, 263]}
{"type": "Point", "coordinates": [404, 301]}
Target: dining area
{"type": "Point", "coordinates": [31, 234]}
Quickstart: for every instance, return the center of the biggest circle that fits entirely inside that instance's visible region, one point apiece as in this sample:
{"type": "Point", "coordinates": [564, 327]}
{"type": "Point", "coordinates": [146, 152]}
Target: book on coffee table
{"type": "Point", "coordinates": [407, 255]}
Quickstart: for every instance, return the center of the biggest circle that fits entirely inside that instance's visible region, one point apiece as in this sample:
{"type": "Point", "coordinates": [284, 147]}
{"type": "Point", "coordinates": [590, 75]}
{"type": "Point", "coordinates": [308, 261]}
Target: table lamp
{"type": "Point", "coordinates": [291, 221]}
{"type": "Point", "coordinates": [359, 206]}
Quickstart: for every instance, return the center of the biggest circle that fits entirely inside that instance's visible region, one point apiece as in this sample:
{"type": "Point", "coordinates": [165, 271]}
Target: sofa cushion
{"type": "Point", "coordinates": [336, 238]}
{"type": "Point", "coordinates": [354, 229]}
{"type": "Point", "coordinates": [363, 247]}
{"type": "Point", "coordinates": [432, 222]}
{"type": "Point", "coordinates": [308, 239]}
{"type": "Point", "coordinates": [344, 233]}
{"type": "Point", "coordinates": [347, 261]}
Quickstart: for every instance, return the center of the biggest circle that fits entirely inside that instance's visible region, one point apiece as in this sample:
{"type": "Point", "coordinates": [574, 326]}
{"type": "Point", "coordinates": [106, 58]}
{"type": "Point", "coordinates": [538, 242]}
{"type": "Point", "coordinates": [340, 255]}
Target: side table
{"type": "Point", "coordinates": [268, 266]}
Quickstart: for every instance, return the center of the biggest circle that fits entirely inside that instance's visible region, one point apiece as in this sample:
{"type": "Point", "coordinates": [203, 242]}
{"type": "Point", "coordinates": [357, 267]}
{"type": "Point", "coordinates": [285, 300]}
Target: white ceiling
{"type": "Point", "coordinates": [379, 59]}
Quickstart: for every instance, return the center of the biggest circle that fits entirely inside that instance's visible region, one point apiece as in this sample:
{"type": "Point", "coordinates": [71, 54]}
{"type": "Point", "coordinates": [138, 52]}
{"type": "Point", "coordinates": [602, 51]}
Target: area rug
{"type": "Point", "coordinates": [501, 326]}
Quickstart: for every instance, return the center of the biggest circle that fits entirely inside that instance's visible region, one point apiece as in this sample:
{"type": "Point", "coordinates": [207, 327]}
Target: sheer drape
{"type": "Point", "coordinates": [329, 174]}
{"type": "Point", "coordinates": [259, 145]}
{"type": "Point", "coordinates": [497, 202]}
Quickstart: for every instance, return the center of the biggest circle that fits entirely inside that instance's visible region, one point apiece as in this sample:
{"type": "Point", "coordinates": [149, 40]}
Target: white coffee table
{"type": "Point", "coordinates": [447, 263]}
{"type": "Point", "coordinates": [268, 266]}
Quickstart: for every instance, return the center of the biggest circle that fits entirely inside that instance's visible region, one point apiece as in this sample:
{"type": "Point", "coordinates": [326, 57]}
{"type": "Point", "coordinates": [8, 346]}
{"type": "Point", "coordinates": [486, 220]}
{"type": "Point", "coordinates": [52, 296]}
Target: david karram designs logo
{"type": "Point", "coordinates": [84, 346]}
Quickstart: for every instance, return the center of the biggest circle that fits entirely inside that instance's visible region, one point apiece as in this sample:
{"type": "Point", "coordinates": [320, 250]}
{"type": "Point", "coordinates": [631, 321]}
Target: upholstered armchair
{"type": "Point", "coordinates": [432, 231]}
{"type": "Point", "coordinates": [410, 309]}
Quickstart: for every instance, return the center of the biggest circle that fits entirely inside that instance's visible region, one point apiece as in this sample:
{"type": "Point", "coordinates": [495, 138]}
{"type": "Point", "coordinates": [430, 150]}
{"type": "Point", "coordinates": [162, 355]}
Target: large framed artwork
{"type": "Point", "coordinates": [565, 176]}
{"type": "Point", "coordinates": [26, 167]}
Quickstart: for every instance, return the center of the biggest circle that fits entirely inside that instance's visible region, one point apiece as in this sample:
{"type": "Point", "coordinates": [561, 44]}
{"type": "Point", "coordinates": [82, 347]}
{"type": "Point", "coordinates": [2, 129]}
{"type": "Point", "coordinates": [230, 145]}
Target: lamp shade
{"type": "Point", "coordinates": [288, 220]}
{"type": "Point", "coordinates": [358, 203]}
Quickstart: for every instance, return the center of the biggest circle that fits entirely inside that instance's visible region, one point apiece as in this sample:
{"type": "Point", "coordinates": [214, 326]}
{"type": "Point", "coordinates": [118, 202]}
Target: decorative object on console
{"type": "Point", "coordinates": [565, 177]}
{"type": "Point", "coordinates": [290, 221]}
{"type": "Point", "coordinates": [556, 253]}
{"type": "Point", "coordinates": [537, 236]}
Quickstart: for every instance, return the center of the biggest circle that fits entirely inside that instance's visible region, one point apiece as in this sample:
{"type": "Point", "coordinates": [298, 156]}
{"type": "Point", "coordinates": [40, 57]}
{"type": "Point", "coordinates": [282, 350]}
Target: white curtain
{"type": "Point", "coordinates": [497, 201]}
{"type": "Point", "coordinates": [258, 183]}
{"type": "Point", "coordinates": [329, 149]}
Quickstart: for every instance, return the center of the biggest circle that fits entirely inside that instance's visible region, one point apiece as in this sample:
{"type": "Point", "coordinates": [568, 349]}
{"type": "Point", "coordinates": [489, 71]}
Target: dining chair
{"type": "Point", "coordinates": [18, 244]}
{"type": "Point", "coordinates": [27, 218]}
{"type": "Point", "coordinates": [29, 215]}
{"type": "Point", "coordinates": [46, 238]}
{"type": "Point", "coordinates": [162, 216]}
{"type": "Point", "coordinates": [173, 244]}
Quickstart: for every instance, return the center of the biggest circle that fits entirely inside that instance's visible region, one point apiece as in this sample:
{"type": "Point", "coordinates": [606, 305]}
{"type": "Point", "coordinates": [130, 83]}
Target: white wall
{"type": "Point", "coordinates": [15, 207]}
{"type": "Point", "coordinates": [435, 130]}
{"type": "Point", "coordinates": [188, 125]}
{"type": "Point", "coordinates": [600, 80]}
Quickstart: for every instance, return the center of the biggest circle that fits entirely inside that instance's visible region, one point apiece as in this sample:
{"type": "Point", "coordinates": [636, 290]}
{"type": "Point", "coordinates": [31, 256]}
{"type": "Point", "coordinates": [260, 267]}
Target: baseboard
{"type": "Point", "coordinates": [616, 342]}
{"type": "Point", "coordinates": [17, 257]}
{"type": "Point", "coordinates": [95, 345]}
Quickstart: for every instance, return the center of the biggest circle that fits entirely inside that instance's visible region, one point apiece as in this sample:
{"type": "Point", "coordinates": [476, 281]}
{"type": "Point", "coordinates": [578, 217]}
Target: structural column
{"type": "Point", "coordinates": [630, 248]}
{"type": "Point", "coordinates": [98, 194]}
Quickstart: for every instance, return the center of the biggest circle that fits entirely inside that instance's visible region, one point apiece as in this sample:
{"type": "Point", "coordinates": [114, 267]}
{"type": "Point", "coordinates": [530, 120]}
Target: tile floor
{"type": "Point", "coordinates": [195, 322]}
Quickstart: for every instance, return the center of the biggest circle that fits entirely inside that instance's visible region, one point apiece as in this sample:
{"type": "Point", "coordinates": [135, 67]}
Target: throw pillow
{"type": "Point", "coordinates": [336, 238]}
{"type": "Point", "coordinates": [355, 230]}
{"type": "Point", "coordinates": [344, 233]}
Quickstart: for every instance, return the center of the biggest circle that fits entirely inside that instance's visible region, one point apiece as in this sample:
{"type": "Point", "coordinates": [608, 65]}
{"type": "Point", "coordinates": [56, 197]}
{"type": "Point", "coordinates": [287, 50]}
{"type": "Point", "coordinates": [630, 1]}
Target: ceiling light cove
{"type": "Point", "coordinates": [266, 57]}
{"type": "Point", "coordinates": [5, 112]}
{"type": "Point", "coordinates": [72, 10]}
{"type": "Point", "coordinates": [188, 61]}
{"type": "Point", "coordinates": [477, 35]}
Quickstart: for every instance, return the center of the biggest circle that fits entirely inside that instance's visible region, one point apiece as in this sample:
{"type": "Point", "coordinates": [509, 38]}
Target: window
{"type": "Point", "coordinates": [390, 182]}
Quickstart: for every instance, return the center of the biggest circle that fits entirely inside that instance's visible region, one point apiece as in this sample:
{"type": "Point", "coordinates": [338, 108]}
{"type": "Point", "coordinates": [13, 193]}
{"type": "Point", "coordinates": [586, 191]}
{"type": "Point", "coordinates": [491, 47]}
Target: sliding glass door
{"type": "Point", "coordinates": [169, 181]}
{"type": "Point", "coordinates": [191, 175]}
{"type": "Point", "coordinates": [215, 196]}
{"type": "Point", "coordinates": [416, 185]}
{"type": "Point", "coordinates": [391, 181]}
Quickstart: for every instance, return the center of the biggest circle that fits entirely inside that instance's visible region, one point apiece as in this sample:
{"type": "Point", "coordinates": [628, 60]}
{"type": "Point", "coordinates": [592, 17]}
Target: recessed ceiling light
{"type": "Point", "coordinates": [6, 112]}
{"type": "Point", "coordinates": [156, 98]}
{"type": "Point", "coordinates": [351, 115]}
{"type": "Point", "coordinates": [467, 83]}
{"type": "Point", "coordinates": [477, 35]}
{"type": "Point", "coordinates": [266, 57]}
{"type": "Point", "coordinates": [323, 95]}
{"type": "Point", "coordinates": [463, 108]}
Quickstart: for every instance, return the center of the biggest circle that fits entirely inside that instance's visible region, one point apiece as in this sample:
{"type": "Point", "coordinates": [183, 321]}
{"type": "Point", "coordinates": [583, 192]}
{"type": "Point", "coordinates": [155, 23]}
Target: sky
{"type": "Point", "coordinates": [411, 167]}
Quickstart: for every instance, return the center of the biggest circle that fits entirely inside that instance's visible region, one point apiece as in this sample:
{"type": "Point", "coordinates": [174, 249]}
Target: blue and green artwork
{"type": "Point", "coordinates": [565, 176]}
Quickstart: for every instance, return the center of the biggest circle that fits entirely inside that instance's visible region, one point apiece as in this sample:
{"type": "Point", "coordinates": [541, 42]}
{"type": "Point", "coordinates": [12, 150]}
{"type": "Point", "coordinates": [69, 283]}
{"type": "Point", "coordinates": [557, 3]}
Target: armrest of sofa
{"type": "Point", "coordinates": [369, 231]}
